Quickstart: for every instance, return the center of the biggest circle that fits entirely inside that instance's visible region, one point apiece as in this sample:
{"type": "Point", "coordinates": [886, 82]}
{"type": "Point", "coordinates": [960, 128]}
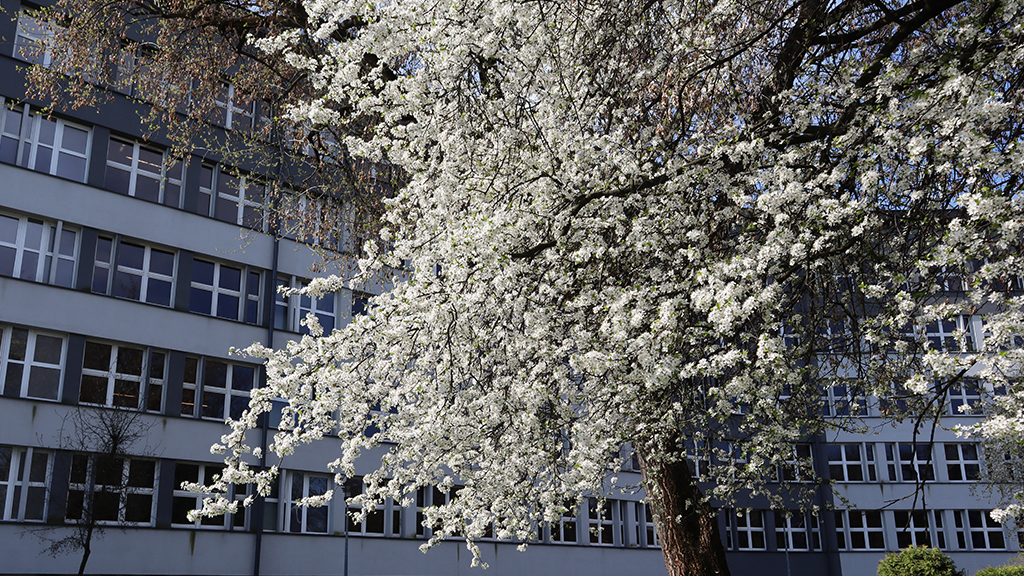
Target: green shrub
{"type": "Point", "coordinates": [1001, 571]}
{"type": "Point", "coordinates": [918, 561]}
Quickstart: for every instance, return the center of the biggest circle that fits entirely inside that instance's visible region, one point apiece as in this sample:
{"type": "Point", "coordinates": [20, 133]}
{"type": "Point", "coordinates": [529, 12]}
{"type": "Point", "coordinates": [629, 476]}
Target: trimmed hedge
{"type": "Point", "coordinates": [1001, 571]}
{"type": "Point", "coordinates": [918, 561]}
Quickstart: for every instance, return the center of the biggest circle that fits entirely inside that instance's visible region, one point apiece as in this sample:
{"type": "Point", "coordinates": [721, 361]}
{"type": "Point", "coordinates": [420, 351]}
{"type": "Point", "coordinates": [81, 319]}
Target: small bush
{"type": "Point", "coordinates": [1001, 571]}
{"type": "Point", "coordinates": [918, 561]}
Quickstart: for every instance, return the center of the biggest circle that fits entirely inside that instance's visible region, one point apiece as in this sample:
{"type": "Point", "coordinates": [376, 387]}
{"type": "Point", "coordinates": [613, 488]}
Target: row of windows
{"type": "Point", "coordinates": [62, 148]}
{"type": "Point", "coordinates": [117, 490]}
{"type": "Point", "coordinates": [965, 397]}
{"type": "Point", "coordinates": [866, 530]}
{"type": "Point", "coordinates": [47, 252]}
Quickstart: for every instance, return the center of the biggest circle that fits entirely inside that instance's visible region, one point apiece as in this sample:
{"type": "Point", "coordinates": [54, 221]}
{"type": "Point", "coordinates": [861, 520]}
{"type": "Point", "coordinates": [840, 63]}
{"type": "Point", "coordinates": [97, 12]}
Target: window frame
{"type": "Point", "coordinates": [91, 486]}
{"type": "Point", "coordinates": [296, 517]}
{"type": "Point", "coordinates": [865, 461]}
{"type": "Point", "coordinates": [201, 390]}
{"type": "Point", "coordinates": [29, 136]}
{"type": "Point", "coordinates": [29, 362]}
{"type": "Point", "coordinates": [49, 253]}
{"type": "Point", "coordinates": [249, 278]}
{"type": "Point", "coordinates": [846, 531]}
{"type": "Point", "coordinates": [114, 267]}
{"type": "Point", "coordinates": [134, 171]}
{"type": "Point", "coordinates": [20, 483]}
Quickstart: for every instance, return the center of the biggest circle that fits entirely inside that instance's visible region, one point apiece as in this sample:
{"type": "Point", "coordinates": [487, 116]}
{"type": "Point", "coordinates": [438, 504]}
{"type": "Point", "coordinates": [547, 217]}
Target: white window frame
{"type": "Point", "coordinates": [387, 513]}
{"type": "Point", "coordinates": [30, 362]}
{"type": "Point", "coordinates": [294, 310]}
{"type": "Point", "coordinates": [20, 482]}
{"type": "Point", "coordinates": [946, 336]}
{"type": "Point", "coordinates": [199, 388]}
{"type": "Point", "coordinates": [864, 461]}
{"type": "Point", "coordinates": [90, 488]}
{"type": "Point", "coordinates": [205, 476]}
{"type": "Point", "coordinates": [29, 144]}
{"type": "Point", "coordinates": [298, 486]}
{"type": "Point", "coordinates": [967, 392]}
{"type": "Point", "coordinates": [846, 531]}
{"type": "Point", "coordinates": [249, 278]}
{"type": "Point", "coordinates": [31, 33]}
{"type": "Point", "coordinates": [231, 109]}
{"type": "Point", "coordinates": [149, 385]}
{"type": "Point", "coordinates": [113, 267]}
{"type": "Point", "coordinates": [895, 463]}
{"type": "Point", "coordinates": [841, 399]}
{"type": "Point", "coordinates": [958, 461]}
{"type": "Point", "coordinates": [135, 171]}
{"type": "Point", "coordinates": [802, 453]}
{"type": "Point", "coordinates": [919, 528]}
{"type": "Point", "coordinates": [975, 525]}
{"type": "Point", "coordinates": [240, 196]}
{"type": "Point", "coordinates": [604, 523]}
{"type": "Point", "coordinates": [50, 252]}
{"type": "Point", "coordinates": [744, 529]}
{"type": "Point", "coordinates": [565, 530]}
{"type": "Point", "coordinates": [791, 523]}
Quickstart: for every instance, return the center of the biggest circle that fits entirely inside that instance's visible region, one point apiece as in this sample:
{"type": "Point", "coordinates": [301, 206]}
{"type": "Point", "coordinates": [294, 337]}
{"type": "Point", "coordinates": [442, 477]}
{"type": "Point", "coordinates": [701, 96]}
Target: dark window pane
{"type": "Point", "coordinates": [103, 248]}
{"type": "Point", "coordinates": [76, 500]}
{"type": "Point", "coordinates": [97, 356]}
{"type": "Point", "coordinates": [252, 308]}
{"type": "Point", "coordinates": [65, 273]}
{"type": "Point", "coordinates": [19, 344]}
{"type": "Point", "coordinates": [159, 292]}
{"type": "Point", "coordinates": [216, 374]}
{"type": "Point", "coordinates": [48, 349]}
{"type": "Point", "coordinates": [200, 301]}
{"type": "Point", "coordinates": [172, 195]}
{"type": "Point", "coordinates": [239, 404]}
{"type": "Point", "coordinates": [241, 377]}
{"type": "Point", "coordinates": [131, 255]}
{"type": "Point", "coordinates": [154, 397]}
{"type": "Point", "coordinates": [156, 365]}
{"type": "Point", "coordinates": [93, 390]}
{"type": "Point", "coordinates": [127, 285]}
{"type": "Point", "coordinates": [71, 167]}
{"type": "Point", "coordinates": [99, 280]}
{"type": "Point", "coordinates": [227, 307]}
{"type": "Point", "coordinates": [202, 272]}
{"type": "Point", "coordinates": [120, 152]}
{"type": "Point", "coordinates": [150, 160]}
{"type": "Point", "coordinates": [141, 473]}
{"type": "Point", "coordinates": [126, 394]}
{"type": "Point", "coordinates": [44, 382]}
{"type": "Point", "coordinates": [74, 139]}
{"type": "Point", "coordinates": [105, 505]}
{"type": "Point", "coordinates": [44, 157]}
{"type": "Point", "coordinates": [213, 405]}
{"type": "Point", "coordinates": [230, 278]}
{"type": "Point", "coordinates": [180, 509]}
{"type": "Point", "coordinates": [7, 255]}
{"type": "Point", "coordinates": [109, 470]}
{"type": "Point", "coordinates": [29, 265]}
{"type": "Point", "coordinates": [8, 229]}
{"type": "Point", "coordinates": [147, 188]}
{"type": "Point", "coordinates": [161, 262]}
{"type": "Point", "coordinates": [226, 210]}
{"type": "Point", "coordinates": [129, 361]}
{"type": "Point", "coordinates": [185, 473]}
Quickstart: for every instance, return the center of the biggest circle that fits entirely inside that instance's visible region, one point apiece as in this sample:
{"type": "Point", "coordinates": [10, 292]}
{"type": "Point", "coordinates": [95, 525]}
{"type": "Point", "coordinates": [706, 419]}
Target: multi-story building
{"type": "Point", "coordinates": [126, 279]}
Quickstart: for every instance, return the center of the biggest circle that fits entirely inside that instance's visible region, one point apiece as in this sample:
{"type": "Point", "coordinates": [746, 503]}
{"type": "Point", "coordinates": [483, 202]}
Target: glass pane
{"type": "Point", "coordinates": [7, 255]}
{"type": "Point", "coordinates": [147, 189]}
{"type": "Point", "coordinates": [44, 382]}
{"type": "Point", "coordinates": [43, 159]}
{"type": "Point", "coordinates": [120, 152]}
{"type": "Point", "coordinates": [150, 161]}
{"type": "Point", "coordinates": [127, 285]}
{"type": "Point", "coordinates": [252, 286]}
{"type": "Point", "coordinates": [36, 503]}
{"type": "Point", "coordinates": [65, 273]}
{"type": "Point", "coordinates": [188, 402]}
{"type": "Point", "coordinates": [161, 262]}
{"type": "Point", "coordinates": [242, 377]}
{"type": "Point", "coordinates": [141, 473]}
{"type": "Point", "coordinates": [156, 366]}
{"type": "Point", "coordinates": [8, 229]}
{"type": "Point", "coordinates": [227, 307]}
{"type": "Point", "coordinates": [181, 507]}
{"type": "Point", "coordinates": [19, 344]}
{"type": "Point", "coordinates": [213, 405]}
{"type": "Point", "coordinates": [103, 248]}
{"type": "Point", "coordinates": [75, 139]}
{"type": "Point", "coordinates": [131, 255]}
{"type": "Point", "coordinates": [202, 272]}
{"type": "Point", "coordinates": [29, 266]}
{"type": "Point", "coordinates": [200, 301]}
{"type": "Point", "coordinates": [47, 129]}
{"type": "Point", "coordinates": [129, 361]}
{"type": "Point", "coordinates": [227, 210]}
{"type": "Point", "coordinates": [154, 397]}
{"type": "Point", "coordinates": [159, 292]}
{"type": "Point", "coordinates": [33, 234]}
{"type": "Point", "coordinates": [48, 349]}
{"type": "Point", "coordinates": [138, 508]}
{"type": "Point", "coordinates": [216, 374]}
{"type": "Point", "coordinates": [117, 180]}
{"type": "Point", "coordinates": [71, 167]}
{"type": "Point", "coordinates": [37, 473]}
{"type": "Point", "coordinates": [8, 150]}
{"type": "Point", "coordinates": [172, 195]}
{"type": "Point", "coordinates": [99, 280]}
{"type": "Point", "coordinates": [230, 278]}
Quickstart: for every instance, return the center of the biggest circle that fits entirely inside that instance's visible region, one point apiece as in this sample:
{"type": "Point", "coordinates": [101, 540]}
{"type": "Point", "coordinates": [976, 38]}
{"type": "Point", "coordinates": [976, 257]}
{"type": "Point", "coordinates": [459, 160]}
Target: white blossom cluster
{"type": "Point", "coordinates": [626, 224]}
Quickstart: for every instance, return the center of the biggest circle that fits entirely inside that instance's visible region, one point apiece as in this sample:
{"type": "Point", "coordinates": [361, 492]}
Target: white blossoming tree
{"type": "Point", "coordinates": [669, 225]}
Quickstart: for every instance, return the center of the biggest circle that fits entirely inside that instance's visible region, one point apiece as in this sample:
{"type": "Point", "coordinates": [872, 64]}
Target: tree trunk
{"type": "Point", "coordinates": [86, 549]}
{"type": "Point", "coordinates": [687, 526]}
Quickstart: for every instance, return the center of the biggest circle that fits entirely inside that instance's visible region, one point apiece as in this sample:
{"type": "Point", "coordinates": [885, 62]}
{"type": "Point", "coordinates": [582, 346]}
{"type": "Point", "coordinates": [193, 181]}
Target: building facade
{"type": "Point", "coordinates": [124, 282]}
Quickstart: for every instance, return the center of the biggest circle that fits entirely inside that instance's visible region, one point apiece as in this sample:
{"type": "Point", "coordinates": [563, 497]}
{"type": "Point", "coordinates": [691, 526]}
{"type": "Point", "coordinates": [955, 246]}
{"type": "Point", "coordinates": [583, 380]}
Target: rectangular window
{"type": "Point", "coordinates": [230, 111]}
{"type": "Point", "coordinates": [842, 399]}
{"type": "Point", "coordinates": [745, 530]}
{"type": "Point", "coordinates": [44, 144]}
{"type": "Point", "coordinates": [646, 526]}
{"type": "Point", "coordinates": [860, 530]}
{"type": "Point", "coordinates": [112, 489]}
{"type": "Point", "coordinates": [914, 528]}
{"type": "Point", "coordinates": [134, 271]}
{"type": "Point", "coordinates": [31, 39]}
{"type": "Point", "coordinates": [603, 522]}
{"type": "Point", "coordinates": [976, 530]}
{"type": "Point", "coordinates": [965, 398]}
{"type": "Point", "coordinates": [306, 519]}
{"type": "Point", "coordinates": [800, 467]}
{"type": "Point", "coordinates": [851, 462]}
{"type": "Point", "coordinates": [32, 363]}
{"type": "Point", "coordinates": [143, 172]}
{"type": "Point", "coordinates": [564, 530]}
{"type": "Point", "coordinates": [217, 290]}
{"type": "Point", "coordinates": [185, 501]}
{"type": "Point", "coordinates": [38, 250]}
{"type": "Point", "coordinates": [290, 311]}
{"type": "Point", "coordinates": [123, 376]}
{"type": "Point", "coordinates": [962, 462]}
{"type": "Point", "coordinates": [385, 520]}
{"type": "Point", "coordinates": [219, 385]}
{"type": "Point", "coordinates": [909, 462]}
{"type": "Point", "coordinates": [797, 531]}
{"type": "Point", "coordinates": [24, 477]}
{"type": "Point", "coordinates": [950, 335]}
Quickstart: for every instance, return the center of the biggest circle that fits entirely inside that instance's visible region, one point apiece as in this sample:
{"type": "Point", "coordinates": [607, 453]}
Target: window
{"type": "Point", "coordinates": [962, 462]}
{"type": "Point", "coordinates": [860, 530]}
{"type": "Point", "coordinates": [796, 530]}
{"type": "Point", "coordinates": [229, 110]}
{"type": "Point", "coordinates": [965, 398]}
{"type": "Point", "coordinates": [37, 250]}
{"type": "Point", "coordinates": [290, 310]}
{"type": "Point", "coordinates": [306, 519]}
{"type": "Point", "coordinates": [47, 145]}
{"type": "Point", "coordinates": [185, 501]}
{"type": "Point", "coordinates": [851, 462]}
{"type": "Point", "coordinates": [646, 526]}
{"type": "Point", "coordinates": [744, 530]}
{"type": "Point", "coordinates": [909, 462]}
{"type": "Point", "coordinates": [123, 376]}
{"type": "Point", "coordinates": [128, 270]}
{"type": "Point", "coordinates": [603, 522]}
{"type": "Point", "coordinates": [360, 303]}
{"type": "Point", "coordinates": [218, 384]}
{"type": "Point", "coordinates": [976, 529]}
{"type": "Point", "coordinates": [913, 528]}
{"type": "Point", "coordinates": [799, 468]}
{"type": "Point", "coordinates": [30, 40]}
{"type": "Point", "coordinates": [32, 363]}
{"type": "Point", "coordinates": [217, 290]}
{"type": "Point", "coordinates": [841, 399]}
{"type": "Point", "coordinates": [24, 476]}
{"type": "Point", "coordinates": [122, 489]}
{"type": "Point", "coordinates": [564, 529]}
{"type": "Point", "coordinates": [384, 520]}
{"type": "Point", "coordinates": [942, 335]}
{"type": "Point", "coordinates": [143, 172]}
{"type": "Point", "coordinates": [229, 197]}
